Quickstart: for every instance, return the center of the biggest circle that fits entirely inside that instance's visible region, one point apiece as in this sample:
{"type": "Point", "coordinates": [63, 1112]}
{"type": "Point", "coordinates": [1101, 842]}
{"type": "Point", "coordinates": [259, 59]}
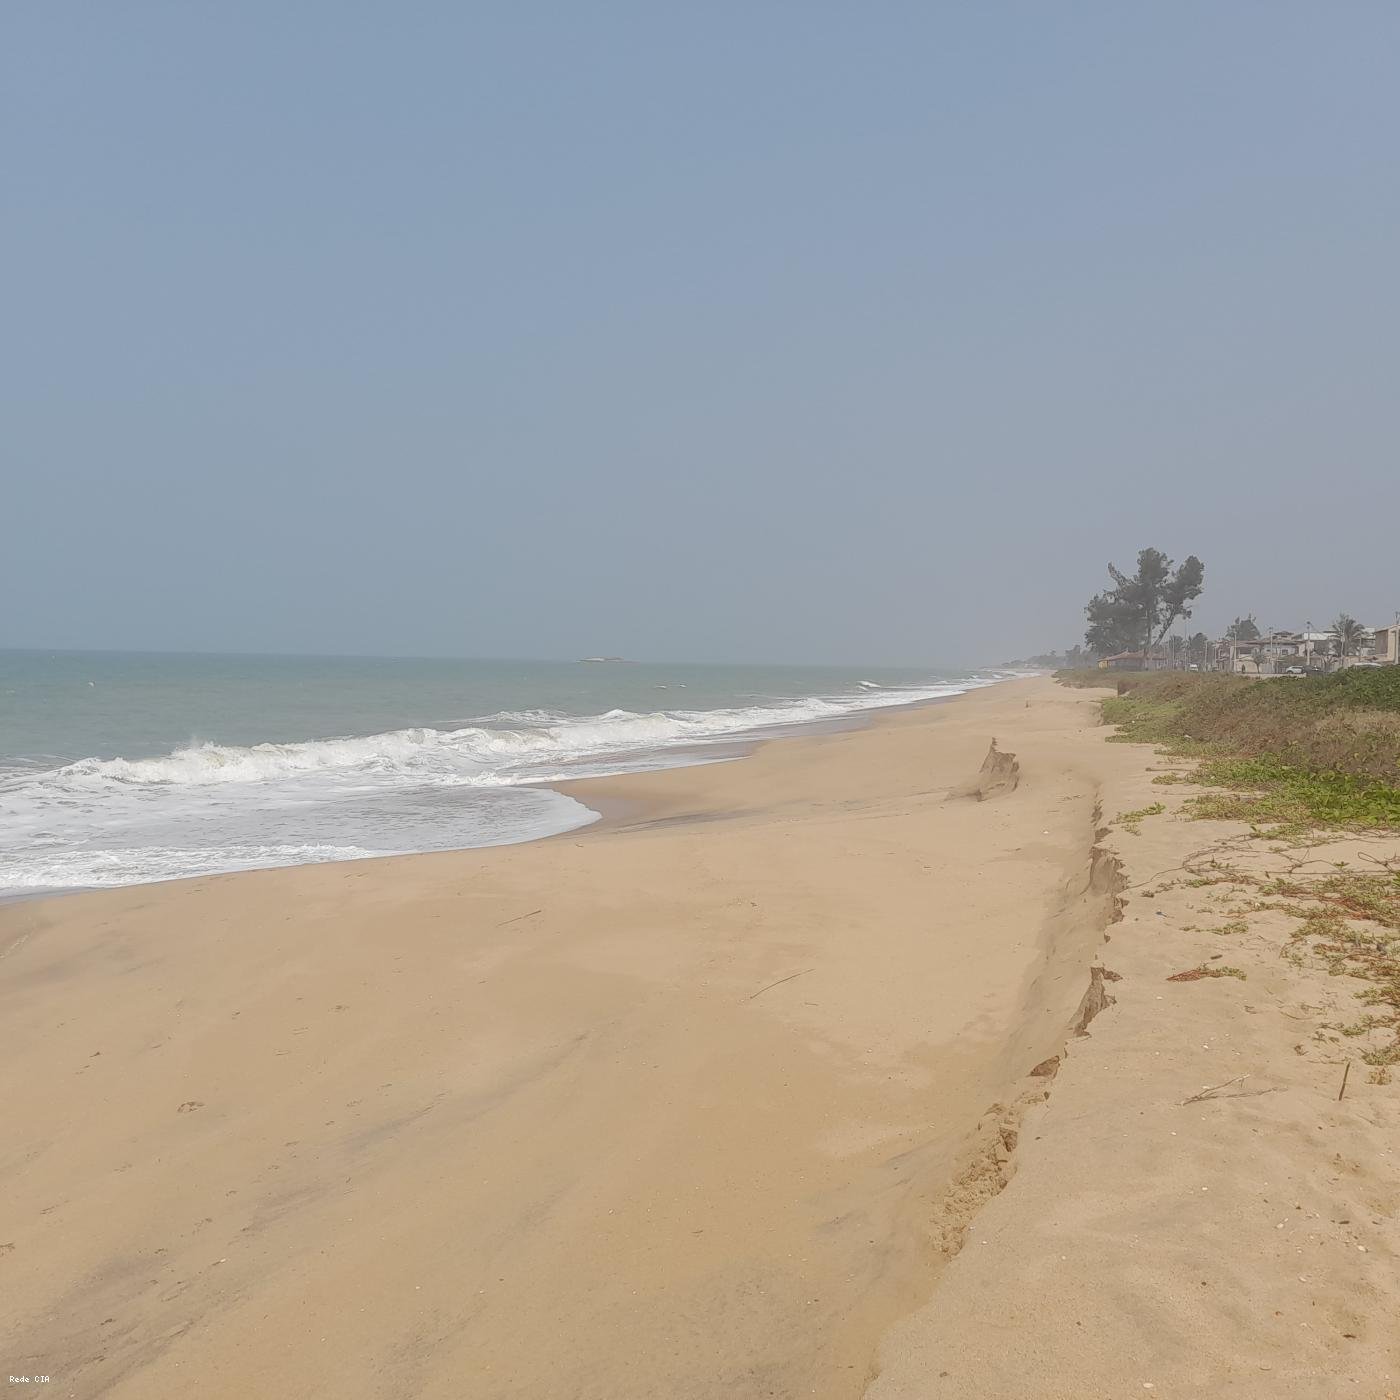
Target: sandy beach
{"type": "Point", "coordinates": [719, 1097]}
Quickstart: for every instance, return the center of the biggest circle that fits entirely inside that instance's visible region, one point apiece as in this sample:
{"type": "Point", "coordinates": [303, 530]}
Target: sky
{"type": "Point", "coordinates": [735, 332]}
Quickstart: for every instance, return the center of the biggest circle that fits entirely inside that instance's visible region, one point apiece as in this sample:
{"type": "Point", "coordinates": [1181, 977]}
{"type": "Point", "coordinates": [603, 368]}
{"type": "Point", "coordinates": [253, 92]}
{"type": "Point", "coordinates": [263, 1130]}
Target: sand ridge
{"type": "Point", "coordinates": [1193, 1211]}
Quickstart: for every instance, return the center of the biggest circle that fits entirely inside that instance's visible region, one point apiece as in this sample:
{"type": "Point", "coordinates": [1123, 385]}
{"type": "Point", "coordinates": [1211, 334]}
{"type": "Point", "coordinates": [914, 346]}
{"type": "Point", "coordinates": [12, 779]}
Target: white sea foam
{"type": "Point", "coordinates": [505, 748]}
{"type": "Point", "coordinates": [207, 807]}
{"type": "Point", "coordinates": [123, 866]}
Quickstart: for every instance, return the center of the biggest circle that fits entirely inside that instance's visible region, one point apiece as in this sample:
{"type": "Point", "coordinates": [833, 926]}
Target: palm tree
{"type": "Point", "coordinates": [1347, 633]}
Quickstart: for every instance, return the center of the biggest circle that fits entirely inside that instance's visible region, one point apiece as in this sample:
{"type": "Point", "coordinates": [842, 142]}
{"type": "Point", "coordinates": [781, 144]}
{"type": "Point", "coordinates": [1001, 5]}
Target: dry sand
{"type": "Point", "coordinates": [696, 1103]}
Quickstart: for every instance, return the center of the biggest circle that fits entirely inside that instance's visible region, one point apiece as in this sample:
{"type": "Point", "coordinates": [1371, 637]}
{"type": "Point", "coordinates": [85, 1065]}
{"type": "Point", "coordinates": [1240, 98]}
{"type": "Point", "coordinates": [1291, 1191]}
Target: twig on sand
{"type": "Point", "coordinates": [1385, 862]}
{"type": "Point", "coordinates": [518, 917]}
{"type": "Point", "coordinates": [1343, 1089]}
{"type": "Point", "coordinates": [780, 982]}
{"type": "Point", "coordinates": [1211, 1090]}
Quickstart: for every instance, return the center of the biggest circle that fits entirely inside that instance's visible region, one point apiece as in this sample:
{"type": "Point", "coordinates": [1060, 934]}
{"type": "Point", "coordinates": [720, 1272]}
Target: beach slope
{"type": "Point", "coordinates": [669, 1107]}
{"type": "Point", "coordinates": [799, 1075]}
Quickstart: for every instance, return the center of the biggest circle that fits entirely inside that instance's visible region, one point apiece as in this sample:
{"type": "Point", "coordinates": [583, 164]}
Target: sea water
{"type": "Point", "coordinates": [122, 768]}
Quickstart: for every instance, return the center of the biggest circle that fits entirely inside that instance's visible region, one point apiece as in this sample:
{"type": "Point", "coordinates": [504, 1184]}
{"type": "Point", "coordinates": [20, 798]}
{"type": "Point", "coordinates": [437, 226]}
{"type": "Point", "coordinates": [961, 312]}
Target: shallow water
{"type": "Point", "coordinates": [123, 768]}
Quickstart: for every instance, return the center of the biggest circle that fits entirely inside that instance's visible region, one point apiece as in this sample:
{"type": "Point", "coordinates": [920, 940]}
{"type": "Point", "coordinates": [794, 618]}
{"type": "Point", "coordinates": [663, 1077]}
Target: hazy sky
{"type": "Point", "coordinates": [753, 331]}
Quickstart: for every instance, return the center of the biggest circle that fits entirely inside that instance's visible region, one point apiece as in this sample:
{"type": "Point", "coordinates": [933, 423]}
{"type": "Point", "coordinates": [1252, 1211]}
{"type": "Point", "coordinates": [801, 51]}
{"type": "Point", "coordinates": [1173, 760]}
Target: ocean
{"type": "Point", "coordinates": [120, 768]}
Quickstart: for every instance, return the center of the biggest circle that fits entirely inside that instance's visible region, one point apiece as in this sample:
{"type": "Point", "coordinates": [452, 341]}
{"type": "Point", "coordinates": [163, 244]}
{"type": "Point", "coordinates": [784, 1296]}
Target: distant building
{"type": "Point", "coordinates": [1388, 644]}
{"type": "Point", "coordinates": [1246, 658]}
{"type": "Point", "coordinates": [1316, 648]}
{"type": "Point", "coordinates": [1133, 661]}
{"type": "Point", "coordinates": [1281, 653]}
{"type": "Point", "coordinates": [1264, 656]}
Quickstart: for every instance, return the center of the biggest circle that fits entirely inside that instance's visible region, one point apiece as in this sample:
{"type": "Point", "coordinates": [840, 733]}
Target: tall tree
{"type": "Point", "coordinates": [1182, 589]}
{"type": "Point", "coordinates": [1347, 633]}
{"type": "Point", "coordinates": [1140, 608]}
{"type": "Point", "coordinates": [1243, 629]}
{"type": "Point", "coordinates": [1114, 625]}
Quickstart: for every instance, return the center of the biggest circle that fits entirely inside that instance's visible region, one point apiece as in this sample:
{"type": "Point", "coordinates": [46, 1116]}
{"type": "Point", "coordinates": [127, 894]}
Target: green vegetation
{"type": "Point", "coordinates": [1141, 719]}
{"type": "Point", "coordinates": [1347, 633]}
{"type": "Point", "coordinates": [1075, 658]}
{"type": "Point", "coordinates": [1265, 790]}
{"type": "Point", "coordinates": [1092, 678]}
{"type": "Point", "coordinates": [1351, 922]}
{"type": "Point", "coordinates": [1295, 754]}
{"type": "Point", "coordinates": [1290, 751]}
{"type": "Point", "coordinates": [1131, 821]}
{"type": "Point", "coordinates": [1139, 609]}
{"type": "Point", "coordinates": [1189, 651]}
{"type": "Point", "coordinates": [1348, 924]}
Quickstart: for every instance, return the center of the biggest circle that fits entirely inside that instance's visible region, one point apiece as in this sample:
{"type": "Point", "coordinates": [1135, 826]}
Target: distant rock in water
{"type": "Point", "coordinates": [998, 775]}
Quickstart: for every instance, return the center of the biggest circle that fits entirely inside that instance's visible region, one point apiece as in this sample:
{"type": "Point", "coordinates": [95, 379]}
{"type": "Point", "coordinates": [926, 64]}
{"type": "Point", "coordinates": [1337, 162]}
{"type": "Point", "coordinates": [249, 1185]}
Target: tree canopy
{"type": "Point", "coordinates": [1075, 658]}
{"type": "Point", "coordinates": [1243, 629]}
{"type": "Point", "coordinates": [1138, 611]}
{"type": "Point", "coordinates": [1347, 633]}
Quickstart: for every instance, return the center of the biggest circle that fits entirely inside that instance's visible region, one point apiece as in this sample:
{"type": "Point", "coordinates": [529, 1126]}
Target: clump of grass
{"type": "Point", "coordinates": [1264, 789]}
{"type": "Point", "coordinates": [1362, 1027]}
{"type": "Point", "coordinates": [1141, 720]}
{"type": "Point", "coordinates": [1350, 920]}
{"type": "Point", "coordinates": [1131, 821]}
{"type": "Point", "coordinates": [1347, 894]}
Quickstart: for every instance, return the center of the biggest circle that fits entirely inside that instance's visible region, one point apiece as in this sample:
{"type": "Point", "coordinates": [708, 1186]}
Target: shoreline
{"type": "Point", "coordinates": [709, 1101]}
{"type": "Point", "coordinates": [741, 746]}
{"type": "Point", "coordinates": [696, 1012]}
{"type": "Point", "coordinates": [624, 800]}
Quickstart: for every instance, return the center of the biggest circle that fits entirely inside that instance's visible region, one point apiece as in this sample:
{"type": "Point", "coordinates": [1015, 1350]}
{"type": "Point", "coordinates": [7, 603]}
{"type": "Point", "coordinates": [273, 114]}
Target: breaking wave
{"type": "Point", "coordinates": [207, 807]}
{"type": "Point", "coordinates": [506, 748]}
